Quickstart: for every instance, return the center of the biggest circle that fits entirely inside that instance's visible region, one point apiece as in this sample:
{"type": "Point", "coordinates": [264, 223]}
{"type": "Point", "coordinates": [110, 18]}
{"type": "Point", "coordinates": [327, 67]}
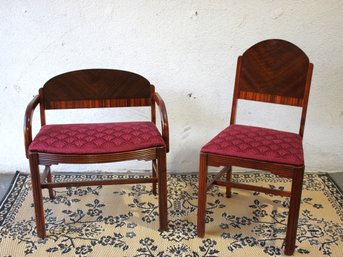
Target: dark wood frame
{"type": "Point", "coordinates": [298, 61]}
{"type": "Point", "coordinates": [125, 99]}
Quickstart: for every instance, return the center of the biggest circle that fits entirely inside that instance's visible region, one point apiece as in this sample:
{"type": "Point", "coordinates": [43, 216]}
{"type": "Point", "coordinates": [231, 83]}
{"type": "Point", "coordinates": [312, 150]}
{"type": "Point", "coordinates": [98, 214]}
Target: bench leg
{"type": "Point", "coordinates": [162, 188]}
{"type": "Point", "coordinates": [37, 195]}
{"type": "Point", "coordinates": [202, 195]}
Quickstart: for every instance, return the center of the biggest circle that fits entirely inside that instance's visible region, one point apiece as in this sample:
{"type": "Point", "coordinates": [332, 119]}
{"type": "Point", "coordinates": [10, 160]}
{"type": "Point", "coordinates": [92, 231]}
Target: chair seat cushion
{"type": "Point", "coordinates": [258, 144]}
{"type": "Point", "coordinates": [96, 138]}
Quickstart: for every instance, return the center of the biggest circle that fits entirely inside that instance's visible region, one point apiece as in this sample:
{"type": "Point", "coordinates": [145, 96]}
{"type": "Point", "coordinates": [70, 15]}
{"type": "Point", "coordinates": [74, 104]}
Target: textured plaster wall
{"type": "Point", "coordinates": [188, 49]}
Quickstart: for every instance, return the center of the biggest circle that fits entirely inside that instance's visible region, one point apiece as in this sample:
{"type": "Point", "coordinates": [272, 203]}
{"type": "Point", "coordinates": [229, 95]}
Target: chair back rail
{"type": "Point", "coordinates": [96, 88]}
{"type": "Point", "coordinates": [273, 71]}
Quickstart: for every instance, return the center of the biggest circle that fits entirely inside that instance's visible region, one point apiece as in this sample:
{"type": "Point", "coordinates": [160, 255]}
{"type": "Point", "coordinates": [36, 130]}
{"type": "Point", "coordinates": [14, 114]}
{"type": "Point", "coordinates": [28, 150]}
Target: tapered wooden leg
{"type": "Point", "coordinates": [49, 178]}
{"type": "Point", "coordinates": [154, 175]}
{"type": "Point", "coordinates": [37, 195]}
{"type": "Point", "coordinates": [293, 215]}
{"type": "Point", "coordinates": [202, 195]}
{"type": "Point", "coordinates": [162, 188]}
{"type": "Point", "coordinates": [228, 178]}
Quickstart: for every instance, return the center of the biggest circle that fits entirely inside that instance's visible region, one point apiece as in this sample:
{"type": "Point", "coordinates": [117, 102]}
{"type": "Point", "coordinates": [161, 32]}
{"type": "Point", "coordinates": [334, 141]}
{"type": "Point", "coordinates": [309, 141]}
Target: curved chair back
{"type": "Point", "coordinates": [96, 88]}
{"type": "Point", "coordinates": [274, 71]}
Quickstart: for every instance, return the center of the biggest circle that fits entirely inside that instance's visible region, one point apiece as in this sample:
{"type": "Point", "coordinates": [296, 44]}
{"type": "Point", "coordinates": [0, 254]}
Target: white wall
{"type": "Point", "coordinates": [188, 49]}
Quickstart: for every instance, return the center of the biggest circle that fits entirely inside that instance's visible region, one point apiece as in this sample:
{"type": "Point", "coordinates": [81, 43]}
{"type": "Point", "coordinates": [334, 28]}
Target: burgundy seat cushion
{"type": "Point", "coordinates": [257, 144]}
{"type": "Point", "coordinates": [96, 138]}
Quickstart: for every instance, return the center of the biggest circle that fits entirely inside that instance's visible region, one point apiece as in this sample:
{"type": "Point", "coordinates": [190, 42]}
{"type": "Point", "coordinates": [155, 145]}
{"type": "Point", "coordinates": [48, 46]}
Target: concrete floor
{"type": "Point", "coordinates": [6, 179]}
{"type": "Point", "coordinates": [5, 183]}
{"type": "Point", "coordinates": [338, 178]}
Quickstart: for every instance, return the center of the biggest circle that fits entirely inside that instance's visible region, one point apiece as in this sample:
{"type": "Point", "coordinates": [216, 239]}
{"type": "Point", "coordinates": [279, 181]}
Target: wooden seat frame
{"type": "Point", "coordinates": [296, 73]}
{"type": "Point", "coordinates": [96, 88]}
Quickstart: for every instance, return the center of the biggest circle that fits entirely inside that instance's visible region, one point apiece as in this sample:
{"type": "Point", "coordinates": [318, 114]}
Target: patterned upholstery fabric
{"type": "Point", "coordinates": [258, 144]}
{"type": "Point", "coordinates": [96, 138]}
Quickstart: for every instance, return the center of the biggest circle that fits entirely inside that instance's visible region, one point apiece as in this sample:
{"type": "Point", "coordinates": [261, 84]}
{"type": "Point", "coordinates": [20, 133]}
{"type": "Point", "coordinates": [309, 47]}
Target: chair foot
{"type": "Point", "coordinates": [201, 232]}
{"type": "Point", "coordinates": [41, 234]}
{"type": "Point", "coordinates": [289, 252]}
{"type": "Point", "coordinates": [163, 228]}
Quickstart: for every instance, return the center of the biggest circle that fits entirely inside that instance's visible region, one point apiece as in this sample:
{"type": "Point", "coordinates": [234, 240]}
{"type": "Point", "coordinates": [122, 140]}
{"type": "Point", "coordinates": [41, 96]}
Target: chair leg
{"type": "Point", "coordinates": [228, 179]}
{"type": "Point", "coordinates": [162, 188]}
{"type": "Point", "coordinates": [37, 195]}
{"type": "Point", "coordinates": [154, 175]}
{"type": "Point", "coordinates": [49, 178]}
{"type": "Point", "coordinates": [293, 215]}
{"type": "Point", "coordinates": [202, 195]}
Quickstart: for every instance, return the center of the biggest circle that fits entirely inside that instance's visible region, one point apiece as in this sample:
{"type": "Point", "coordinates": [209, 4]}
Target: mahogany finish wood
{"type": "Point", "coordinates": [273, 71]}
{"type": "Point", "coordinates": [251, 187]}
{"type": "Point", "coordinates": [275, 68]}
{"type": "Point", "coordinates": [216, 177]}
{"type": "Point", "coordinates": [96, 84]}
{"type": "Point", "coordinates": [99, 182]}
{"type": "Point", "coordinates": [96, 88]}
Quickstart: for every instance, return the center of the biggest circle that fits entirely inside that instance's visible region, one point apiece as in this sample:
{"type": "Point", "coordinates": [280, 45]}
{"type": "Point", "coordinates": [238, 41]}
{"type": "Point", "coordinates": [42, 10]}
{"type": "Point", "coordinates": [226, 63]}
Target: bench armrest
{"type": "Point", "coordinates": [28, 122]}
{"type": "Point", "coordinates": [164, 118]}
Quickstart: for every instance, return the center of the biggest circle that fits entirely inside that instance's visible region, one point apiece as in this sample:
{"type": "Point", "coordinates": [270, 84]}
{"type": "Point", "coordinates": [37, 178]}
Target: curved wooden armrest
{"type": "Point", "coordinates": [28, 122]}
{"type": "Point", "coordinates": [164, 118]}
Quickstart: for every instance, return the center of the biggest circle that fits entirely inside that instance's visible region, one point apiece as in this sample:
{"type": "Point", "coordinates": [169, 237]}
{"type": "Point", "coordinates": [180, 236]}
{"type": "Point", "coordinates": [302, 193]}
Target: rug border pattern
{"type": "Point", "coordinates": [11, 197]}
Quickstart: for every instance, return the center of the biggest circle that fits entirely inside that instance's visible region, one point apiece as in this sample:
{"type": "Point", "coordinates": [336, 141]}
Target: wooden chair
{"type": "Point", "coordinates": [96, 142]}
{"type": "Point", "coordinates": [273, 71]}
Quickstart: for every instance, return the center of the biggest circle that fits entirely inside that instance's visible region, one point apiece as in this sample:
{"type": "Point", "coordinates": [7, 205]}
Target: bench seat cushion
{"type": "Point", "coordinates": [96, 138]}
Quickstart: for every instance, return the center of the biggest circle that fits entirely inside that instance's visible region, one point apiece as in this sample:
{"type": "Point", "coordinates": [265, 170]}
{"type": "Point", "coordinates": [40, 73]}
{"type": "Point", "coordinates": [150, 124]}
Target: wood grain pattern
{"type": "Point", "coordinates": [281, 170]}
{"type": "Point", "coordinates": [265, 190]}
{"type": "Point", "coordinates": [306, 97]}
{"type": "Point", "coordinates": [203, 168]}
{"type": "Point", "coordinates": [272, 71]}
{"type": "Point", "coordinates": [52, 158]}
{"type": "Point", "coordinates": [293, 214]}
{"type": "Point", "coordinates": [228, 180]}
{"type": "Point", "coordinates": [274, 67]}
{"type": "Point", "coordinates": [164, 118]}
{"type": "Point", "coordinates": [162, 188]}
{"type": "Point", "coordinates": [51, 185]}
{"type": "Point", "coordinates": [216, 177]}
{"type": "Point", "coordinates": [37, 195]}
{"type": "Point", "coordinates": [28, 123]}
{"type": "Point", "coordinates": [96, 84]}
{"type": "Point", "coordinates": [268, 98]}
{"type": "Point", "coordinates": [73, 104]}
{"type": "Point", "coordinates": [96, 88]}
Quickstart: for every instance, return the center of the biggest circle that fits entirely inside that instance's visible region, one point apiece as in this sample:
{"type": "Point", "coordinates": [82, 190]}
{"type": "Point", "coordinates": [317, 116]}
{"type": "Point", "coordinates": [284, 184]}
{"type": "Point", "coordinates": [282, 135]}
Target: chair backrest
{"type": "Point", "coordinates": [95, 88]}
{"type": "Point", "coordinates": [274, 71]}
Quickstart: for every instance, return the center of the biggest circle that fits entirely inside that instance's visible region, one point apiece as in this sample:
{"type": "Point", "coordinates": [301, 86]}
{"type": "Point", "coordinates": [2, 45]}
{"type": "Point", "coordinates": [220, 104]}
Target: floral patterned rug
{"type": "Point", "coordinates": [123, 220]}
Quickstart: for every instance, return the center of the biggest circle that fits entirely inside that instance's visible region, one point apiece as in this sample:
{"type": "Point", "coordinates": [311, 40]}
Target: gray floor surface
{"type": "Point", "coordinates": [338, 178]}
{"type": "Point", "coordinates": [5, 183]}
{"type": "Point", "coordinates": [6, 179]}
